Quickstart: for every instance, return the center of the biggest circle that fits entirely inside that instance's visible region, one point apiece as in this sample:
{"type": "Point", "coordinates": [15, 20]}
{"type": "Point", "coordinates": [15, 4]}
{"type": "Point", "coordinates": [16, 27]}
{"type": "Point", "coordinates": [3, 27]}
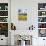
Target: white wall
{"type": "Point", "coordinates": [23, 4]}
{"type": "Point", "coordinates": [32, 5]}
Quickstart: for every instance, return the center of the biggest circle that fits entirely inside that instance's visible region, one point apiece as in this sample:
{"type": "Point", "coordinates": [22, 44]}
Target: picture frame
{"type": "Point", "coordinates": [22, 14]}
{"type": "Point", "coordinates": [42, 33]}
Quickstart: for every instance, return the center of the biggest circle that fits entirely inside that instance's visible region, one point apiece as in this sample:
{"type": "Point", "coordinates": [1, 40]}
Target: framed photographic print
{"type": "Point", "coordinates": [42, 32]}
{"type": "Point", "coordinates": [22, 14]}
